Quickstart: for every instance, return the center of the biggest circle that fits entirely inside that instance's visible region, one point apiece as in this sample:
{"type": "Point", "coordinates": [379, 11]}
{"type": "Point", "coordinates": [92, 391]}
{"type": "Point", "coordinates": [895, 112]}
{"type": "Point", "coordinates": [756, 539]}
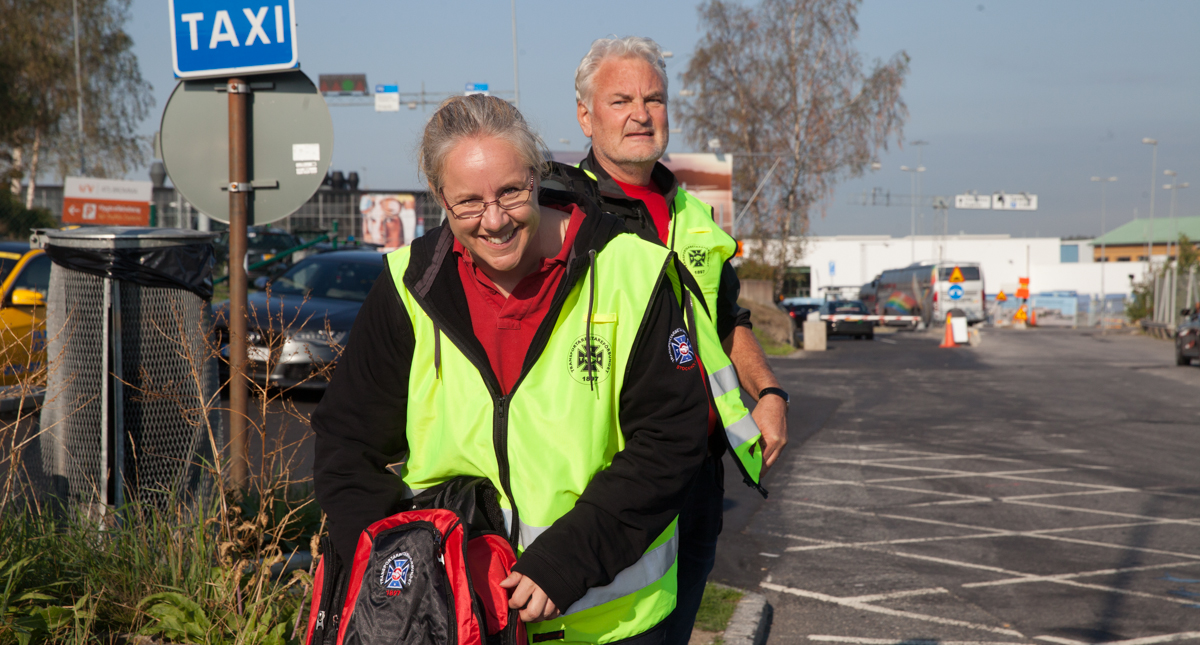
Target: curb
{"type": "Point", "coordinates": [751, 621]}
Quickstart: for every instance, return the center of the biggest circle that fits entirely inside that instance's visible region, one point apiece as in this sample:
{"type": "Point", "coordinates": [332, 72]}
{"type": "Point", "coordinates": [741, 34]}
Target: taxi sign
{"type": "Point", "coordinates": [217, 38]}
{"type": "Point", "coordinates": [957, 275]}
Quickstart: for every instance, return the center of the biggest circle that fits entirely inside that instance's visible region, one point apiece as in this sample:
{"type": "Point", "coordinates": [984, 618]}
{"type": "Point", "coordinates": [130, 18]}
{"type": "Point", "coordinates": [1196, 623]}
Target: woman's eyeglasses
{"type": "Point", "coordinates": [508, 200]}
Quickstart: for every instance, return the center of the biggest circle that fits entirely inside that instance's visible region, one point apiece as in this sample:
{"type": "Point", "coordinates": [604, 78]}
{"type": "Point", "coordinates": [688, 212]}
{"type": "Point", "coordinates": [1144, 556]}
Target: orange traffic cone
{"type": "Point", "coordinates": [948, 339]}
{"type": "Point", "coordinates": [1033, 317]}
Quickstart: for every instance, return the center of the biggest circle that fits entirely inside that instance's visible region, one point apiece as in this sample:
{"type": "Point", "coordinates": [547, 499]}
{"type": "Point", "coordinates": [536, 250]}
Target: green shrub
{"type": "Point", "coordinates": [16, 221]}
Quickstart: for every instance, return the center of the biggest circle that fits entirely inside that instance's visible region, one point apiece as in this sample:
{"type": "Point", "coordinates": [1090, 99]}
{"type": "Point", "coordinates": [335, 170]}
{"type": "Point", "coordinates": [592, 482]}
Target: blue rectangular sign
{"type": "Point", "coordinates": [477, 87]}
{"type": "Point", "coordinates": [387, 89]}
{"type": "Point", "coordinates": [214, 38]}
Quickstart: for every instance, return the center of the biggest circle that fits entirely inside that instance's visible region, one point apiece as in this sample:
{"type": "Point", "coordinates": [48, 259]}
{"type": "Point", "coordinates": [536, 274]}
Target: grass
{"type": "Point", "coordinates": [771, 347]}
{"type": "Point", "coordinates": [716, 608]}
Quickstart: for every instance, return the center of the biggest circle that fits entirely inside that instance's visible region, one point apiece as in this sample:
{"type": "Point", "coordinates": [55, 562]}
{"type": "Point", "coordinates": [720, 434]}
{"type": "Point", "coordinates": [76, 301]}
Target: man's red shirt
{"type": "Point", "coordinates": [505, 326]}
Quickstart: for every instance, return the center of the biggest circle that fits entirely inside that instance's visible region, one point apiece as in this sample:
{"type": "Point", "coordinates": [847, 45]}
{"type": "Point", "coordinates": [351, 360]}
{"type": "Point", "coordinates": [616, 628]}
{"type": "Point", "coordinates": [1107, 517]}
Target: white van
{"type": "Point", "coordinates": [957, 288]}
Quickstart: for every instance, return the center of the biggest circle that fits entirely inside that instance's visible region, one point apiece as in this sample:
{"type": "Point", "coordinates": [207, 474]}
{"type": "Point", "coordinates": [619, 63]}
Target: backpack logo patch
{"type": "Point", "coordinates": [589, 368]}
{"type": "Point", "coordinates": [696, 259]}
{"type": "Point", "coordinates": [396, 573]}
{"type": "Point", "coordinates": [681, 351]}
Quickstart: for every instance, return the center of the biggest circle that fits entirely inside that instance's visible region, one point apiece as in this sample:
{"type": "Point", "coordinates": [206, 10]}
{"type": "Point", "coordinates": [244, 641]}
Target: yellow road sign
{"type": "Point", "coordinates": [957, 276]}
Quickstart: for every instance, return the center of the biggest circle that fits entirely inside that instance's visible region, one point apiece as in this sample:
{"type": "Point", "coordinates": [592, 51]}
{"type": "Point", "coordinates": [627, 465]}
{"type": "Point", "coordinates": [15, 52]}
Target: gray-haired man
{"type": "Point", "coordinates": [621, 104]}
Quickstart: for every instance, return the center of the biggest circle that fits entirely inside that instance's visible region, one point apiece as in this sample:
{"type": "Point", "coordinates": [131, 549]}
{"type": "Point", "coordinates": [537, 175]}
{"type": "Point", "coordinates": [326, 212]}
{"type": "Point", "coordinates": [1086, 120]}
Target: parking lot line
{"type": "Point", "coordinates": [899, 594]}
{"type": "Point", "coordinates": [1081, 574]}
{"type": "Point", "coordinates": [854, 604]}
{"type": "Point", "coordinates": [853, 640]}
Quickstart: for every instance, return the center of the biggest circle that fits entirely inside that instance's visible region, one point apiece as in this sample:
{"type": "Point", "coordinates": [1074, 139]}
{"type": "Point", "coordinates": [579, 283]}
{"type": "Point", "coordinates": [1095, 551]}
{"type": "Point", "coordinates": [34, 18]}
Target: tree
{"type": "Point", "coordinates": [781, 86]}
{"type": "Point", "coordinates": [39, 119]}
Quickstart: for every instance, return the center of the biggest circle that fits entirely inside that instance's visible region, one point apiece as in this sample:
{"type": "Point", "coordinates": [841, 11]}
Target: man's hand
{"type": "Point", "coordinates": [527, 596]}
{"type": "Point", "coordinates": [771, 417]}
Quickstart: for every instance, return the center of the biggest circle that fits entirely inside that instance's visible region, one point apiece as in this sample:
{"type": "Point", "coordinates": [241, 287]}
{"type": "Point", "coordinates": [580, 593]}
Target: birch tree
{"type": "Point", "coordinates": [781, 86]}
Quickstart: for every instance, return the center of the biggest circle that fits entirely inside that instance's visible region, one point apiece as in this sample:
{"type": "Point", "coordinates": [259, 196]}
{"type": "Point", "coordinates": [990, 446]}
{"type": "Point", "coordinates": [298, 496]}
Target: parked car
{"type": "Point", "coordinates": [299, 325]}
{"type": "Point", "coordinates": [798, 309]}
{"type": "Point", "coordinates": [24, 284]}
{"type": "Point", "coordinates": [851, 327]}
{"type": "Point", "coordinates": [1187, 338]}
{"type": "Point", "coordinates": [262, 243]}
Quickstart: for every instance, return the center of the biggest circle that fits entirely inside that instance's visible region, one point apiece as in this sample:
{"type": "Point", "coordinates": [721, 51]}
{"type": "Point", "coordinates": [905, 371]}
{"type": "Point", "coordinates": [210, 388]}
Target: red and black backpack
{"type": "Point", "coordinates": [427, 576]}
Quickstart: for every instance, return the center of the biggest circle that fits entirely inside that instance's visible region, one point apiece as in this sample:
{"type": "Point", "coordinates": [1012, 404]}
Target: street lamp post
{"type": "Point", "coordinates": [1153, 173]}
{"type": "Point", "coordinates": [1103, 258]}
{"type": "Point", "coordinates": [1174, 187]}
{"type": "Point", "coordinates": [913, 203]}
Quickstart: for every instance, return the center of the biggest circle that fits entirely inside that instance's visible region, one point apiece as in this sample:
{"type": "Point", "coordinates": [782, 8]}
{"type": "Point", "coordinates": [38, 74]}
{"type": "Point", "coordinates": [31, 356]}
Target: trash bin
{"type": "Point", "coordinates": [130, 412]}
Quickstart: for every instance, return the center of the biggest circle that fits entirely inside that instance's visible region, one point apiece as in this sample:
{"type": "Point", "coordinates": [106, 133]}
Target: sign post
{"type": "Point", "coordinates": [230, 39]}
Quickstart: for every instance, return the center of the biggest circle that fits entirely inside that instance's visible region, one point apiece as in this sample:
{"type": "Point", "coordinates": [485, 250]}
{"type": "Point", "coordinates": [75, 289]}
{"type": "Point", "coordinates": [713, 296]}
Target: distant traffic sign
{"type": "Point", "coordinates": [1014, 202]}
{"type": "Point", "coordinates": [979, 202]}
{"type": "Point", "coordinates": [292, 144]}
{"type": "Point", "coordinates": [106, 202]}
{"type": "Point", "coordinates": [477, 88]}
{"type": "Point", "coordinates": [956, 275]}
{"type": "Point", "coordinates": [387, 98]}
{"type": "Point", "coordinates": [955, 292]}
{"type": "Point", "coordinates": [215, 38]}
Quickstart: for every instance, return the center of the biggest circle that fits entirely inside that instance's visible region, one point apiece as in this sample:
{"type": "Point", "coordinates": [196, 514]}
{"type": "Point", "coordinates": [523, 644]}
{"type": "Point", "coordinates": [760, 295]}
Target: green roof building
{"type": "Point", "coordinates": [1127, 243]}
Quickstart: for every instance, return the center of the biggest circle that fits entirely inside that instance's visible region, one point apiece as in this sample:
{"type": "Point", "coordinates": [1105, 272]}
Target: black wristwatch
{"type": "Point", "coordinates": [787, 400]}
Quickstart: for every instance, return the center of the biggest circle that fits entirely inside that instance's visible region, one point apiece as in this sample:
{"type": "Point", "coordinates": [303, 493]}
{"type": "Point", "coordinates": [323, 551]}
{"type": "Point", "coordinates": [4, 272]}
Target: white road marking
{"type": "Point", "coordinates": [1059, 641]}
{"type": "Point", "coordinates": [899, 594]}
{"type": "Point", "coordinates": [1001, 473]}
{"type": "Point", "coordinates": [769, 555]}
{"type": "Point", "coordinates": [887, 340]}
{"type": "Point", "coordinates": [1082, 574]}
{"type": "Point", "coordinates": [845, 602]}
{"type": "Point", "coordinates": [1153, 640]}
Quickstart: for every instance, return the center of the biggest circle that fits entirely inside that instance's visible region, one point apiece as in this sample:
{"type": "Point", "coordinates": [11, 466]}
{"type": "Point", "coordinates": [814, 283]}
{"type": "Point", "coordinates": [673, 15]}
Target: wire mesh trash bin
{"type": "Point", "coordinates": [131, 398]}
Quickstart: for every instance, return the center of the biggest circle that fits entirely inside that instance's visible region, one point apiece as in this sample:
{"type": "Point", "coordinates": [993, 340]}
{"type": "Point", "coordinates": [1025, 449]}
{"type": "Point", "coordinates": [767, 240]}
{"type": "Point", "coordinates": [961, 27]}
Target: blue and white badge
{"type": "Point", "coordinates": [681, 348]}
{"type": "Point", "coordinates": [396, 573]}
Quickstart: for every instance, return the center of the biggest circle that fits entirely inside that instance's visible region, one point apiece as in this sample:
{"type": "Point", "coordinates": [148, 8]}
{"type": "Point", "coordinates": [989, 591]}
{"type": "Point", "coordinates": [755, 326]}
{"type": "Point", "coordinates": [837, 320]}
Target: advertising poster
{"type": "Point", "coordinates": [709, 177]}
{"type": "Point", "coordinates": [388, 219]}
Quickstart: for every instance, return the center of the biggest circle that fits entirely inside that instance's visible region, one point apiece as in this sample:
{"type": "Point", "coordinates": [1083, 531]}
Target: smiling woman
{"type": "Point", "coordinates": [533, 341]}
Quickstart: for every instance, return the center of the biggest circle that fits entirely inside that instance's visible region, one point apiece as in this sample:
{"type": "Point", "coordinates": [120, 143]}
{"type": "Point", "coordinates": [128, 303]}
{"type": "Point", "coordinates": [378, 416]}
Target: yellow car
{"type": "Point", "coordinates": [24, 281]}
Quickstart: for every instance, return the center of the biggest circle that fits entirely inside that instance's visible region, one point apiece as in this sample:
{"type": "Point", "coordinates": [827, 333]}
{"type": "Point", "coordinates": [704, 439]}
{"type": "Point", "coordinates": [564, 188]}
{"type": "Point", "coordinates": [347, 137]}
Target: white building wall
{"type": "Point", "coordinates": [857, 259]}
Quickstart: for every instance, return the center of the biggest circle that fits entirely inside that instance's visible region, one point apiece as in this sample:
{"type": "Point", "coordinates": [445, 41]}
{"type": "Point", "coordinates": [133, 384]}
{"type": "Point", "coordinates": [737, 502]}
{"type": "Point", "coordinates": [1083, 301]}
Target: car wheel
{"type": "Point", "coordinates": [871, 336]}
{"type": "Point", "coordinates": [1180, 359]}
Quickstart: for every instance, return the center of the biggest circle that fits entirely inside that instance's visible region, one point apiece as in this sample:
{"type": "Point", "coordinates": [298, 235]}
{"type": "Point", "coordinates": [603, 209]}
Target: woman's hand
{"type": "Point", "coordinates": [527, 596]}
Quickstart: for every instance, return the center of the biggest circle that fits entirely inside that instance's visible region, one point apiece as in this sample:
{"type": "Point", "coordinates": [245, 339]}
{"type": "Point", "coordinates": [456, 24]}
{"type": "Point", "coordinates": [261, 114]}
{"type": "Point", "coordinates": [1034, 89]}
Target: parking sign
{"type": "Point", "coordinates": [218, 38]}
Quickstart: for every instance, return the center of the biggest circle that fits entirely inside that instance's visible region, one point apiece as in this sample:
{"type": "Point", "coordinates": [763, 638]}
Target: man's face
{"type": "Point", "coordinates": [627, 120]}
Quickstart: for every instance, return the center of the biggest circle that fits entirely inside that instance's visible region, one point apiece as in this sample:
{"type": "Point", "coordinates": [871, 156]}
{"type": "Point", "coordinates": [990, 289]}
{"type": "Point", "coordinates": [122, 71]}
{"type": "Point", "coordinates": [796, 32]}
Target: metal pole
{"type": "Point", "coordinates": [239, 178]}
{"type": "Point", "coordinates": [78, 88]}
{"type": "Point", "coordinates": [912, 195]}
{"type": "Point", "coordinates": [1153, 178]}
{"type": "Point", "coordinates": [516, 76]}
{"type": "Point", "coordinates": [1103, 257]}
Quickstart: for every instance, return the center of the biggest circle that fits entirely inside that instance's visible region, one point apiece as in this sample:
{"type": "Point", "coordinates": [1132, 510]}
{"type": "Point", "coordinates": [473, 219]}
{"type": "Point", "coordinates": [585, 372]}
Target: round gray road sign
{"type": "Point", "coordinates": [291, 144]}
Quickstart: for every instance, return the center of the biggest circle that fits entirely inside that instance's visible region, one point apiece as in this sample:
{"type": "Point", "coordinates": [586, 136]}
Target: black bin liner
{"type": "Point", "coordinates": [184, 266]}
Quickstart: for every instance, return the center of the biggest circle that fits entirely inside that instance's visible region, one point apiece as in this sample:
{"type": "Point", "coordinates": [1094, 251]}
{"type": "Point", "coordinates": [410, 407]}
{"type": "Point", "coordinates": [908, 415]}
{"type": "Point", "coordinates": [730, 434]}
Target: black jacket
{"type": "Point", "coordinates": [360, 422]}
{"type": "Point", "coordinates": [637, 218]}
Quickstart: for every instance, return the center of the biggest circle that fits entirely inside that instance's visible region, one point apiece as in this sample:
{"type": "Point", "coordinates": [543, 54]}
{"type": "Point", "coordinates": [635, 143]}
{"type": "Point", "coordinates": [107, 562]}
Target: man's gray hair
{"type": "Point", "coordinates": [605, 48]}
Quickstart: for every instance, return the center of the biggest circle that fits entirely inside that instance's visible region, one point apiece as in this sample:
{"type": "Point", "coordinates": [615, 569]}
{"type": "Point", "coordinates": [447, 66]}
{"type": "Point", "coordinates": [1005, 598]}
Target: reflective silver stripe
{"type": "Point", "coordinates": [529, 533]}
{"type": "Point", "coordinates": [742, 431]}
{"type": "Point", "coordinates": [410, 492]}
{"type": "Point", "coordinates": [641, 574]}
{"type": "Point", "coordinates": [723, 381]}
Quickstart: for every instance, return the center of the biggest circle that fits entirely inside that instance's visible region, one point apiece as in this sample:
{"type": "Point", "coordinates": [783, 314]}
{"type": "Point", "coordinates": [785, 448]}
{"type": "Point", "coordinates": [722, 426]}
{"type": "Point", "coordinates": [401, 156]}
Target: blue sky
{"type": "Point", "coordinates": [1028, 95]}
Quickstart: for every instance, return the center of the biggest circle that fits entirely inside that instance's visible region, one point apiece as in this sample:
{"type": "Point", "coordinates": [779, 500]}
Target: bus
{"type": "Point", "coordinates": [930, 291]}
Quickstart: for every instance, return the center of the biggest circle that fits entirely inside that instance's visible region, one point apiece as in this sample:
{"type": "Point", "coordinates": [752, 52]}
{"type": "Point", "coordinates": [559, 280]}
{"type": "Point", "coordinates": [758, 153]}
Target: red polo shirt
{"type": "Point", "coordinates": [505, 326]}
{"type": "Point", "coordinates": [655, 202]}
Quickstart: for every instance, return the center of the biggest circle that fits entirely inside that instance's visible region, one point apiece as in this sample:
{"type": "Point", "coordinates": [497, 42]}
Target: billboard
{"type": "Point", "coordinates": [709, 177]}
{"type": "Point", "coordinates": [343, 84]}
{"type": "Point", "coordinates": [106, 202]}
{"type": "Point", "coordinates": [388, 219]}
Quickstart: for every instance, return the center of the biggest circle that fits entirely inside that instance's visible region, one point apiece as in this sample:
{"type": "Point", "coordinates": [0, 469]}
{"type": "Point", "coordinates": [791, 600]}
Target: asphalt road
{"type": "Point", "coordinates": [1042, 487]}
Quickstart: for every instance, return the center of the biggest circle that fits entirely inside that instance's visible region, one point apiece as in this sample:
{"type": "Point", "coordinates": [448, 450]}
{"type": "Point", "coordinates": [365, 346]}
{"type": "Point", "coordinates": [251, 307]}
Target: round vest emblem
{"type": "Point", "coordinates": [396, 573]}
{"type": "Point", "coordinates": [589, 369]}
{"type": "Point", "coordinates": [696, 259]}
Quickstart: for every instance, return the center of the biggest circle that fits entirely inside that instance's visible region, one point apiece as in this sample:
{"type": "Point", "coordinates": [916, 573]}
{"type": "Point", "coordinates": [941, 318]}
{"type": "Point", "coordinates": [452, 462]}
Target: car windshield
{"type": "Point", "coordinates": [270, 241]}
{"type": "Point", "coordinates": [7, 262]}
{"type": "Point", "coordinates": [847, 307]}
{"type": "Point", "coordinates": [329, 278]}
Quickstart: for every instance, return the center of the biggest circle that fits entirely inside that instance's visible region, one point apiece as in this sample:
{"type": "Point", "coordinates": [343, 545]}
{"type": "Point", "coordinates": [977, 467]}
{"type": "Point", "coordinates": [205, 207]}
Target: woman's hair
{"type": "Point", "coordinates": [605, 48]}
{"type": "Point", "coordinates": [466, 117]}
